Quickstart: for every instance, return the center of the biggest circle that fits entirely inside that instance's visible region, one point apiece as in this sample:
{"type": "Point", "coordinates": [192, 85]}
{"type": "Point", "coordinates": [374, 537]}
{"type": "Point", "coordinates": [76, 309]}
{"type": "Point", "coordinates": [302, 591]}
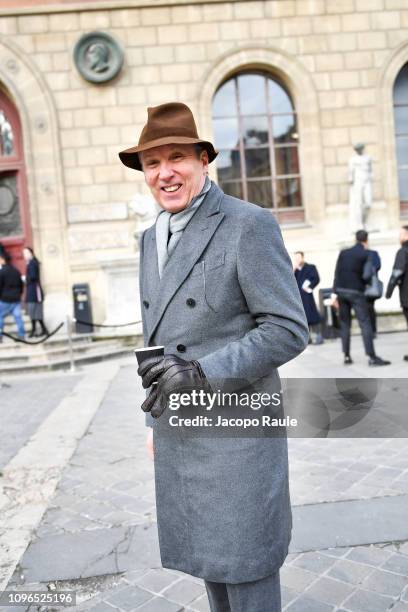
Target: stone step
{"type": "Point", "coordinates": [46, 352]}
{"type": "Point", "coordinates": [60, 339]}
{"type": "Point", "coordinates": [64, 362]}
{"type": "Point", "coordinates": [10, 323]}
{"type": "Point", "coordinates": [61, 336]}
{"type": "Point", "coordinates": [17, 357]}
{"type": "Point", "coordinates": [10, 319]}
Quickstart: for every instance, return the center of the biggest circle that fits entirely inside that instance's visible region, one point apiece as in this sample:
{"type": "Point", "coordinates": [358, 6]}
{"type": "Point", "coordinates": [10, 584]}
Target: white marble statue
{"type": "Point", "coordinates": [360, 179]}
{"type": "Point", "coordinates": [6, 135]}
{"type": "Point", "coordinates": [145, 209]}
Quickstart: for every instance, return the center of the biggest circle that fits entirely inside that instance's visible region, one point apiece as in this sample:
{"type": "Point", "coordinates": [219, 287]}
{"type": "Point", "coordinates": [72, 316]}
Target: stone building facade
{"type": "Point", "coordinates": [83, 210]}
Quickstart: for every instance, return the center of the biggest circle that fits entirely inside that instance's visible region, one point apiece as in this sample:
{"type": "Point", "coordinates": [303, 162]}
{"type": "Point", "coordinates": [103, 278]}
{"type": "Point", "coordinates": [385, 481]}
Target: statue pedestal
{"type": "Point", "coordinates": [122, 291]}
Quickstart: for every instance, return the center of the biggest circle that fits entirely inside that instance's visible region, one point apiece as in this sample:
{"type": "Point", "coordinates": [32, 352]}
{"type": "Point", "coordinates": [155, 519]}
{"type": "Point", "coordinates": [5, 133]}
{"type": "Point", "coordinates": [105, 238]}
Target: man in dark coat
{"type": "Point", "coordinates": [307, 278]}
{"type": "Point", "coordinates": [350, 279]}
{"type": "Point", "coordinates": [11, 289]}
{"type": "Point", "coordinates": [218, 292]}
{"type": "Point", "coordinates": [399, 275]}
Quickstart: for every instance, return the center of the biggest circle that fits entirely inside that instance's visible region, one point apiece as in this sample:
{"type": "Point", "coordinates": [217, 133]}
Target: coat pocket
{"type": "Point", "coordinates": [215, 261]}
{"type": "Point", "coordinates": [213, 271]}
{"type": "Point", "coordinates": [207, 264]}
{"type": "Point", "coordinates": [206, 278]}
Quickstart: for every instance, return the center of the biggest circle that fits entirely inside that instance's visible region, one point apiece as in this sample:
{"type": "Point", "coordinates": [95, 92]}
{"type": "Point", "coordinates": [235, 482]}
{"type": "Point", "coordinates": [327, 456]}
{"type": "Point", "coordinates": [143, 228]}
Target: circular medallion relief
{"type": "Point", "coordinates": [12, 65]}
{"type": "Point", "coordinates": [98, 57]}
{"type": "Point", "coordinates": [52, 249]}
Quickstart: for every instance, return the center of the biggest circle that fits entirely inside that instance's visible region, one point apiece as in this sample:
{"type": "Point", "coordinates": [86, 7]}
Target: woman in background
{"type": "Point", "coordinates": [34, 293]}
{"type": "Point", "coordinates": [307, 278]}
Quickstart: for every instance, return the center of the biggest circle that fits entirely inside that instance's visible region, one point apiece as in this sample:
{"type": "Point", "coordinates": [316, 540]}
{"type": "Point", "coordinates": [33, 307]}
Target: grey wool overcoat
{"type": "Point", "coordinates": [227, 298]}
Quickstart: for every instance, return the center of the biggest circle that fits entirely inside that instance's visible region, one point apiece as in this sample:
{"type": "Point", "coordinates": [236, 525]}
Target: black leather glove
{"type": "Point", "coordinates": [395, 279]}
{"type": "Point", "coordinates": [173, 375]}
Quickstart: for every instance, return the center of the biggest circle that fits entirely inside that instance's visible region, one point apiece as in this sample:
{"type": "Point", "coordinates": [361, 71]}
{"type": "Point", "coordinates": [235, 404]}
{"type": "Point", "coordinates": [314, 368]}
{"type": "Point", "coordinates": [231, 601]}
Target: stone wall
{"type": "Point", "coordinates": [338, 59]}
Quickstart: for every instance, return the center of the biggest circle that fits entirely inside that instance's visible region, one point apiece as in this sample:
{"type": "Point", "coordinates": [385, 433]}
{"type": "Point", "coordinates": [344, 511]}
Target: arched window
{"type": "Point", "coordinates": [255, 131]}
{"type": "Point", "coordinates": [401, 134]}
{"type": "Point", "coordinates": [15, 227]}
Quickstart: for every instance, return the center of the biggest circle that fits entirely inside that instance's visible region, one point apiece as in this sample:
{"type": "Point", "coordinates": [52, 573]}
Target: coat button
{"type": "Point", "coordinates": [191, 302]}
{"type": "Point", "coordinates": [146, 304]}
{"type": "Point", "coordinates": [181, 348]}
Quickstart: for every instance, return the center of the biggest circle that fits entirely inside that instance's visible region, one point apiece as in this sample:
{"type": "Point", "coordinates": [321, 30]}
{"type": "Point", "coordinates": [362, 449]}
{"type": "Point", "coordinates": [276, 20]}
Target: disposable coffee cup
{"type": "Point", "coordinates": [150, 351]}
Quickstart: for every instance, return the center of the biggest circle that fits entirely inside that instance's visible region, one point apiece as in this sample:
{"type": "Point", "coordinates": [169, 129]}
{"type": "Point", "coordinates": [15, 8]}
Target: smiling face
{"type": "Point", "coordinates": [174, 174]}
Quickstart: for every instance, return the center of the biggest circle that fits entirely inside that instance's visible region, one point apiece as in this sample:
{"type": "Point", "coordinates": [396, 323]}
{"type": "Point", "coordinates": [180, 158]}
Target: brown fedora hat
{"type": "Point", "coordinates": [171, 123]}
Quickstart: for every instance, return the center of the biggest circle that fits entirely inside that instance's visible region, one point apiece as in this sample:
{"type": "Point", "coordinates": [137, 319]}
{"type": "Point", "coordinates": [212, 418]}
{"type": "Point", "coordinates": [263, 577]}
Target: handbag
{"type": "Point", "coordinates": [374, 289]}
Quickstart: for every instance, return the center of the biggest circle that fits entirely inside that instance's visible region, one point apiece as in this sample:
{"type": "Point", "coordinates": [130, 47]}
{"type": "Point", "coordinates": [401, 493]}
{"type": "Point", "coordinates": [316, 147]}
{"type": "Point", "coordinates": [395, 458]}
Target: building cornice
{"type": "Point", "coordinates": [44, 7]}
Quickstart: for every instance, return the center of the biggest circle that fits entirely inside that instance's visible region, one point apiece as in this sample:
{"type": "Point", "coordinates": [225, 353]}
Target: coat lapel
{"type": "Point", "coordinates": [153, 278]}
{"type": "Point", "coordinates": [194, 240]}
{"type": "Point", "coordinates": [150, 274]}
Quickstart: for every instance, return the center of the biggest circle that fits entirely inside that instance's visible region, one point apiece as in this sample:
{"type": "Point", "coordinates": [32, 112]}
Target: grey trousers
{"type": "Point", "coordinates": [258, 596]}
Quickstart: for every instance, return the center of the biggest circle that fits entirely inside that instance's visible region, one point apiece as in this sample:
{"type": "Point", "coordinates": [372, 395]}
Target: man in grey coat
{"type": "Point", "coordinates": [218, 292]}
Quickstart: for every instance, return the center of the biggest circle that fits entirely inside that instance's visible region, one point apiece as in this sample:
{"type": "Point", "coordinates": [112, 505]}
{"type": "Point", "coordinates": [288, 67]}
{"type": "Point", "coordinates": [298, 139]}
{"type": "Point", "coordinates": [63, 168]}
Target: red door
{"type": "Point", "coordinates": [15, 227]}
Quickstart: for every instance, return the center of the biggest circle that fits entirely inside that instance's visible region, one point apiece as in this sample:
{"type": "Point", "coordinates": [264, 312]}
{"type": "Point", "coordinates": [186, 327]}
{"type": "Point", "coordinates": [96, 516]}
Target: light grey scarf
{"type": "Point", "coordinates": [175, 224]}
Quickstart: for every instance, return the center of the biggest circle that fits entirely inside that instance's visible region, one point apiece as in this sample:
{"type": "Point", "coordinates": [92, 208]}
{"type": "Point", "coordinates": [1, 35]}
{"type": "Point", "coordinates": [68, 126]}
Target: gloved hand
{"type": "Point", "coordinates": [395, 279]}
{"type": "Point", "coordinates": [173, 375]}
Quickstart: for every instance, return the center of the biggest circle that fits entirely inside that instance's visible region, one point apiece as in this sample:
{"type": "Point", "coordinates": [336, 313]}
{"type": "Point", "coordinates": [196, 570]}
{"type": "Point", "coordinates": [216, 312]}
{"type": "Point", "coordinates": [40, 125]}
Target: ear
{"type": "Point", "coordinates": [204, 159]}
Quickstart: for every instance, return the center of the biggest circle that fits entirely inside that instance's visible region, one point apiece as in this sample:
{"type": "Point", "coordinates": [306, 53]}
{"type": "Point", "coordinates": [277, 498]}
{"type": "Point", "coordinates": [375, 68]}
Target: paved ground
{"type": "Point", "coordinates": [98, 534]}
{"type": "Point", "coordinates": [327, 360]}
{"type": "Point", "coordinates": [24, 405]}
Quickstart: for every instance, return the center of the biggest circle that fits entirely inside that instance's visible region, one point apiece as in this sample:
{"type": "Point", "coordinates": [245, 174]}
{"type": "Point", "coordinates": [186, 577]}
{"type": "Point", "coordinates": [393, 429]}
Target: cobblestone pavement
{"type": "Point", "coordinates": [99, 536]}
{"type": "Point", "coordinates": [24, 404]}
{"type": "Point", "coordinates": [334, 470]}
{"type": "Point", "coordinates": [358, 579]}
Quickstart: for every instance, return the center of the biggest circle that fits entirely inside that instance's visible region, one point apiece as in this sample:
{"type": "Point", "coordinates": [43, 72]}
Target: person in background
{"type": "Point", "coordinates": [376, 263]}
{"type": "Point", "coordinates": [34, 293]}
{"type": "Point", "coordinates": [399, 275]}
{"type": "Point", "coordinates": [11, 289]}
{"type": "Point", "coordinates": [307, 278]}
{"type": "Point", "coordinates": [3, 251]}
{"type": "Point", "coordinates": [350, 280]}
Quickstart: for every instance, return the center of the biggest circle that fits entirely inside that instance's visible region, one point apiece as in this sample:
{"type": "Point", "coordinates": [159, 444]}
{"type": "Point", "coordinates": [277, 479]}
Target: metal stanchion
{"type": "Point", "coordinates": [72, 367]}
{"type": "Point", "coordinates": [329, 314]}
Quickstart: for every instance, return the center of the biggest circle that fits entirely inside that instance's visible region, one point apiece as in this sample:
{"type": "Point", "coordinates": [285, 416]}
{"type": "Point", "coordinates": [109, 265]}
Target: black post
{"type": "Point", "coordinates": [82, 308]}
